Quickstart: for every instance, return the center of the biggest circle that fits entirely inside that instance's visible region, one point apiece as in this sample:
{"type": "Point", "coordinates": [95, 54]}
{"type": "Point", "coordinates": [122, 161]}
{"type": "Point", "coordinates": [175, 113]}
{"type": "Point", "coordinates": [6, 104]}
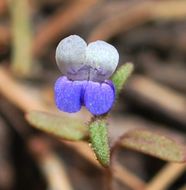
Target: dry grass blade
{"type": "Point", "coordinates": [56, 26]}
{"type": "Point", "coordinates": [183, 188]}
{"type": "Point", "coordinates": [3, 6]}
{"type": "Point", "coordinates": [127, 177]}
{"type": "Point", "coordinates": [120, 22]}
{"type": "Point", "coordinates": [51, 165]}
{"type": "Point", "coordinates": [60, 23]}
{"type": "Point", "coordinates": [22, 37]}
{"type": "Point", "coordinates": [166, 176]}
{"type": "Point", "coordinates": [4, 35]}
{"type": "Point", "coordinates": [20, 95]}
{"type": "Point", "coordinates": [159, 97]}
{"type": "Point", "coordinates": [136, 15]}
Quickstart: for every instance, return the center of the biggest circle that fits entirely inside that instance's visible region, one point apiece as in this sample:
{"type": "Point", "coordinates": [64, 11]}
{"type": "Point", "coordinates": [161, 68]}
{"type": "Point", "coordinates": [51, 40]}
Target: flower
{"type": "Point", "coordinates": [86, 69]}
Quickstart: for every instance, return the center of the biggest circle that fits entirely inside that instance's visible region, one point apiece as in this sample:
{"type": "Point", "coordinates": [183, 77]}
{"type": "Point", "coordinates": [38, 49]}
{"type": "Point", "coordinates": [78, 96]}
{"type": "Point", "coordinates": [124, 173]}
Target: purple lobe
{"type": "Point", "coordinates": [99, 97]}
{"type": "Point", "coordinates": [68, 94]}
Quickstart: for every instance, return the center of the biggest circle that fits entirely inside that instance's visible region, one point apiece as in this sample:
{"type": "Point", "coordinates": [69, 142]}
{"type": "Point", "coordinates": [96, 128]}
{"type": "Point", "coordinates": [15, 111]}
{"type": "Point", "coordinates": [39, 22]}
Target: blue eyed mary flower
{"type": "Point", "coordinates": [86, 70]}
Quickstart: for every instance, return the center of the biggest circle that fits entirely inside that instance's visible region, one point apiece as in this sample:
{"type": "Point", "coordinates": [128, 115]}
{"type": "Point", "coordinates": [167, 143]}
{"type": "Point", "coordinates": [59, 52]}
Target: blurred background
{"type": "Point", "coordinates": [150, 34]}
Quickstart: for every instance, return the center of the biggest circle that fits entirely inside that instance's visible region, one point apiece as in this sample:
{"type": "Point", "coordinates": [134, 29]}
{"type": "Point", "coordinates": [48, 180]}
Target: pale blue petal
{"type": "Point", "coordinates": [68, 94]}
{"type": "Point", "coordinates": [99, 98]}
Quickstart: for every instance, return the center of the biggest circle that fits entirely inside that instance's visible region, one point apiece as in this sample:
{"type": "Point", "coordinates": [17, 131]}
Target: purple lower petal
{"type": "Point", "coordinates": [68, 94]}
{"type": "Point", "coordinates": [98, 98]}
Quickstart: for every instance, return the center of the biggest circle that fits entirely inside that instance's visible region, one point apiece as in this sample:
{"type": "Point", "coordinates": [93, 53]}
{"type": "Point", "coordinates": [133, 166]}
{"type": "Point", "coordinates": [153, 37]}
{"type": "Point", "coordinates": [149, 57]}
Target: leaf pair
{"type": "Point", "coordinates": [144, 141]}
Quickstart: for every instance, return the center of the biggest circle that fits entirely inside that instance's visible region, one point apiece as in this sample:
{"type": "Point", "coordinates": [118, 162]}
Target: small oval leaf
{"type": "Point", "coordinates": [122, 74]}
{"type": "Point", "coordinates": [154, 144]}
{"type": "Point", "coordinates": [61, 127]}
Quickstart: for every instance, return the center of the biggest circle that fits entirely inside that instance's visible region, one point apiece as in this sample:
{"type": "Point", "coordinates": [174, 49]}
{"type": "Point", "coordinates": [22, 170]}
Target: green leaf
{"type": "Point", "coordinates": [121, 76]}
{"type": "Point", "coordinates": [61, 127]}
{"type": "Point", "coordinates": [154, 144]}
{"type": "Point", "coordinates": [99, 141]}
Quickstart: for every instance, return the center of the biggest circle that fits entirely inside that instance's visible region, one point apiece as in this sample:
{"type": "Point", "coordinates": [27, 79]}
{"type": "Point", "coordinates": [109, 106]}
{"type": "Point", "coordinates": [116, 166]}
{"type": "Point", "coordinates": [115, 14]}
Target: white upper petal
{"type": "Point", "coordinates": [70, 54]}
{"type": "Point", "coordinates": [77, 61]}
{"type": "Point", "coordinates": [102, 57]}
